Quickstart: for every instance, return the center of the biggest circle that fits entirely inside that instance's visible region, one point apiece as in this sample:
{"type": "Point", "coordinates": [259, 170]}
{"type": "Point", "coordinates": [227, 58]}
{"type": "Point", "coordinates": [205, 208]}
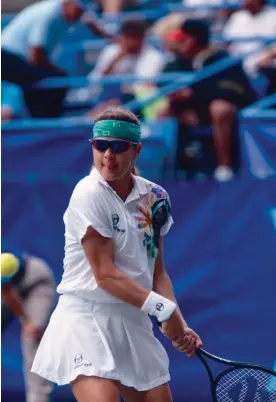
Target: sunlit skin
{"type": "Point", "coordinates": [253, 6]}
{"type": "Point", "coordinates": [116, 168]}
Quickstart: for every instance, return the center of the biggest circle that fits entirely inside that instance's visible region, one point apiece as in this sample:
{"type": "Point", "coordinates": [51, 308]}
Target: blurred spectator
{"type": "Point", "coordinates": [28, 45]}
{"type": "Point", "coordinates": [28, 293]}
{"type": "Point", "coordinates": [162, 27]}
{"type": "Point", "coordinates": [130, 55]}
{"type": "Point", "coordinates": [256, 19]}
{"type": "Point", "coordinates": [212, 101]}
{"type": "Point", "coordinates": [215, 11]}
{"type": "Point", "coordinates": [12, 102]}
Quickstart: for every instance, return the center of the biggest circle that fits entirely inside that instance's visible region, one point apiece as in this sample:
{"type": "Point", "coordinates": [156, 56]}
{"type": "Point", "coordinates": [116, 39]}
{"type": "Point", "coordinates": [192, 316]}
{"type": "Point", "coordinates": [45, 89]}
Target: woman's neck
{"type": "Point", "coordinates": [122, 186]}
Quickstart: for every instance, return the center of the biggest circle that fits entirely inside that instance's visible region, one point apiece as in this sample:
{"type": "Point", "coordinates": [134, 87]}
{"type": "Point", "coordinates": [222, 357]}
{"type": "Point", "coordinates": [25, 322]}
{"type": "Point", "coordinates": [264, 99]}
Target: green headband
{"type": "Point", "coordinates": [117, 129]}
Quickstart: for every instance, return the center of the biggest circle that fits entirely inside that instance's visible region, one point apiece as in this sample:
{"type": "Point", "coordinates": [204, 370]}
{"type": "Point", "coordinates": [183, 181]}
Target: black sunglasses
{"type": "Point", "coordinates": [116, 146]}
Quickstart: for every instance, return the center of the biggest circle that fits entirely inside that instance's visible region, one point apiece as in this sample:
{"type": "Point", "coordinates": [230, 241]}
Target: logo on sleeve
{"type": "Point", "coordinates": [159, 306]}
{"type": "Point", "coordinates": [115, 221]}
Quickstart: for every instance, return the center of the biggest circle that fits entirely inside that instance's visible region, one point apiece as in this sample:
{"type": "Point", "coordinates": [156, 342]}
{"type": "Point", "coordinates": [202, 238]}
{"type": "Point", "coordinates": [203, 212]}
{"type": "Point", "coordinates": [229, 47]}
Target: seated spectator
{"type": "Point", "coordinates": [28, 45]}
{"type": "Point", "coordinates": [255, 19]}
{"type": "Point", "coordinates": [130, 55]}
{"type": "Point", "coordinates": [215, 100]}
{"type": "Point", "coordinates": [12, 102]}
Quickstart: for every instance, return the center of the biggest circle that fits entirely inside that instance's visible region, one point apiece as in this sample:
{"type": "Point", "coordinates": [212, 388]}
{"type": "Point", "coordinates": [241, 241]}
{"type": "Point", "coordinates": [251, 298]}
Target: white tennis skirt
{"type": "Point", "coordinates": [108, 340]}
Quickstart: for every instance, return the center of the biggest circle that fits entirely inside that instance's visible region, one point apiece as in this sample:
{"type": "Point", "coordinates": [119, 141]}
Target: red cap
{"type": "Point", "coordinates": [177, 36]}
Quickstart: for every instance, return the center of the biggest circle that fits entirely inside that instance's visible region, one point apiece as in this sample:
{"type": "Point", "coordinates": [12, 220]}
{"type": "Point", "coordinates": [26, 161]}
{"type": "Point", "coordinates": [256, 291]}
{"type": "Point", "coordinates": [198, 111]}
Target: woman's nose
{"type": "Point", "coordinates": [108, 153]}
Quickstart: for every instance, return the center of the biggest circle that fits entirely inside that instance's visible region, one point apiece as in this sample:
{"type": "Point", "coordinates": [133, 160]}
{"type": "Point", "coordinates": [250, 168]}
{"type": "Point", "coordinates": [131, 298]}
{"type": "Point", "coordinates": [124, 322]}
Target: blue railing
{"type": "Point", "coordinates": [77, 82]}
{"type": "Point", "coordinates": [180, 83]}
{"type": "Point", "coordinates": [261, 108]}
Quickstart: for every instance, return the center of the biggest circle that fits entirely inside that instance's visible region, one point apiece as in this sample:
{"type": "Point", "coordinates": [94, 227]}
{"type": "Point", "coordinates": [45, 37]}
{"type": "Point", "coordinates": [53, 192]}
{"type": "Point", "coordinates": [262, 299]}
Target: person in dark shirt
{"type": "Point", "coordinates": [214, 100]}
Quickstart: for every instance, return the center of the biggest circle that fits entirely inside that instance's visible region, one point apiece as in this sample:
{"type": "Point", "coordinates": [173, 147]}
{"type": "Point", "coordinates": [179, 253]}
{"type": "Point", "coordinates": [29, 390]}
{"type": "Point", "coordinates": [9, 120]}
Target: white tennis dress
{"type": "Point", "coordinates": [91, 332]}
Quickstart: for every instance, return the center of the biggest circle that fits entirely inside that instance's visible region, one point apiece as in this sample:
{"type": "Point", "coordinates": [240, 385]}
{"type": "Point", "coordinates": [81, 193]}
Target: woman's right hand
{"type": "Point", "coordinates": [173, 328]}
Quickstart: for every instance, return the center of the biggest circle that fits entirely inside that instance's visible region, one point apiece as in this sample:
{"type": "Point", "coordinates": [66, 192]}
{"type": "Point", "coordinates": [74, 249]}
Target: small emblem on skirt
{"type": "Point", "coordinates": [78, 360]}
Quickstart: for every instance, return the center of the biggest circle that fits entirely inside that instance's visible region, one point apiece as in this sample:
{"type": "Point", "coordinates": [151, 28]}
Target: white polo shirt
{"type": "Point", "coordinates": [134, 225]}
{"type": "Point", "coordinates": [244, 24]}
{"type": "Point", "coordinates": [147, 63]}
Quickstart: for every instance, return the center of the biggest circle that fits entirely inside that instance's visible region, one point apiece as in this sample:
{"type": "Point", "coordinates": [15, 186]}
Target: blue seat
{"type": "Point", "coordinates": [151, 161]}
{"type": "Point", "coordinates": [165, 129]}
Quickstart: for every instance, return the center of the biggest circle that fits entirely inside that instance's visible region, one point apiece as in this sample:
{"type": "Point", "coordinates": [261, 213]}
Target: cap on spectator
{"type": "Point", "coordinates": [198, 29]}
{"type": "Point", "coordinates": [176, 36]}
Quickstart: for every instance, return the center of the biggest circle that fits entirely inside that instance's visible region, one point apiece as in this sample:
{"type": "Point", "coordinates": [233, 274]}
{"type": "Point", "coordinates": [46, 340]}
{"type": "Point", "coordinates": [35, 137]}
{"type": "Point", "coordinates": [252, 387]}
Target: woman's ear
{"type": "Point", "coordinates": [138, 150]}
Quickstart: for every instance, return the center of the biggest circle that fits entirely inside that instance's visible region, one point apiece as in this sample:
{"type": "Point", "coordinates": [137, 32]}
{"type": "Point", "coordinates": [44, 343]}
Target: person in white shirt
{"type": "Point", "coordinates": [255, 19]}
{"type": "Point", "coordinates": [29, 45]}
{"type": "Point", "coordinates": [100, 337]}
{"type": "Point", "coordinates": [129, 56]}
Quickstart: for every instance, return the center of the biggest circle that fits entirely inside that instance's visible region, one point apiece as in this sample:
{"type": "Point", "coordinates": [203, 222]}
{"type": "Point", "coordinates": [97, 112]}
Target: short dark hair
{"type": "Point", "coordinates": [198, 29]}
{"type": "Point", "coordinates": [133, 27]}
{"type": "Point", "coordinates": [118, 113]}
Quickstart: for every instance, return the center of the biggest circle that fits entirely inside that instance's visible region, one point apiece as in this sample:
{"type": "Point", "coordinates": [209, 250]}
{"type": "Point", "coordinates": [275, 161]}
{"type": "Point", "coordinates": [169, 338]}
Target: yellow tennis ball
{"type": "Point", "coordinates": [9, 264]}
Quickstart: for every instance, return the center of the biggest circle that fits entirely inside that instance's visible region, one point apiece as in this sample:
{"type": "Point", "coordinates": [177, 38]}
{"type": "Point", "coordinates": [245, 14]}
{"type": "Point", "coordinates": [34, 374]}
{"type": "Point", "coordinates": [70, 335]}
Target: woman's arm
{"type": "Point", "coordinates": [100, 254]}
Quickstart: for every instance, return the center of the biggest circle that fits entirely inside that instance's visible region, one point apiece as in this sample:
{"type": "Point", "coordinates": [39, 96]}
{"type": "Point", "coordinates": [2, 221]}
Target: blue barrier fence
{"type": "Point", "coordinates": [257, 134]}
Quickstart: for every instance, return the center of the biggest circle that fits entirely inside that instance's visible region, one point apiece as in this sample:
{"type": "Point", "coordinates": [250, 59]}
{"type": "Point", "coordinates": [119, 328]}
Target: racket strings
{"type": "Point", "coordinates": [247, 385]}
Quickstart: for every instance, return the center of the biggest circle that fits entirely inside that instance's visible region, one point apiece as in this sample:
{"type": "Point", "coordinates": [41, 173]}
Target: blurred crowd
{"type": "Point", "coordinates": [186, 41]}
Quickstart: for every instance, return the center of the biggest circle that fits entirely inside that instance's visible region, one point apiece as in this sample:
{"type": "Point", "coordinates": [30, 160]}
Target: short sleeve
{"type": "Point", "coordinates": [83, 212]}
{"type": "Point", "coordinates": [39, 34]}
{"type": "Point", "coordinates": [167, 225]}
{"type": "Point", "coordinates": [230, 27]}
{"type": "Point", "coordinates": [48, 32]}
{"type": "Point", "coordinates": [161, 211]}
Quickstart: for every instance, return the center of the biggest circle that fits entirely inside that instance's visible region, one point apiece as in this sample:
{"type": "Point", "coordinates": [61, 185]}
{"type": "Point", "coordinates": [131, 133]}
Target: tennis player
{"type": "Point", "coordinates": [29, 295]}
{"type": "Point", "coordinates": [100, 337]}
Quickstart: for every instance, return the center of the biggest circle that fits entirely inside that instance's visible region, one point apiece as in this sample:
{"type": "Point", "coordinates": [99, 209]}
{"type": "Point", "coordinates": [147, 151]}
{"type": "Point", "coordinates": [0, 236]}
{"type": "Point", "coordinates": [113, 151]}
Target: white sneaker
{"type": "Point", "coordinates": [223, 173]}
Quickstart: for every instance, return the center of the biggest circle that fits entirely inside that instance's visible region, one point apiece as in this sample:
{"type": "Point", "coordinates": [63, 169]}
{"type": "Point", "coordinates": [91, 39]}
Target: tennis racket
{"type": "Point", "coordinates": [238, 382]}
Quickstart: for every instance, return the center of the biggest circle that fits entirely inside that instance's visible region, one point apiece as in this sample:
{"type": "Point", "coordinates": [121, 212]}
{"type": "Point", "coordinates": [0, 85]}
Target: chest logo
{"type": "Point", "coordinates": [115, 221]}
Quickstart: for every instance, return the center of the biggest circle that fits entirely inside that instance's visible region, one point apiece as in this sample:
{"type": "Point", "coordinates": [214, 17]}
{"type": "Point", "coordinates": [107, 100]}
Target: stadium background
{"type": "Point", "coordinates": [220, 253]}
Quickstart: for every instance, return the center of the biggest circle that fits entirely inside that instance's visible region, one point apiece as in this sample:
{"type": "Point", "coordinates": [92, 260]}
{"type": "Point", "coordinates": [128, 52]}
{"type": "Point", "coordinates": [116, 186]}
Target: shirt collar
{"type": "Point", "coordinates": [140, 187]}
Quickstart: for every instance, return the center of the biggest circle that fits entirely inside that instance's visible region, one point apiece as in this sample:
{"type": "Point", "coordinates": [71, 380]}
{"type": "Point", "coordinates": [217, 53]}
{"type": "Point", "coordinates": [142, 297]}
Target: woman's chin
{"type": "Point", "coordinates": [110, 174]}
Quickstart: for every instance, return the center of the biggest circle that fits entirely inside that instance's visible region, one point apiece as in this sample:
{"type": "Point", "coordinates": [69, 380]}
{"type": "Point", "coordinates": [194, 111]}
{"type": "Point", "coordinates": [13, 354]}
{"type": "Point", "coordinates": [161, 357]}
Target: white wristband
{"type": "Point", "coordinates": [159, 306]}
